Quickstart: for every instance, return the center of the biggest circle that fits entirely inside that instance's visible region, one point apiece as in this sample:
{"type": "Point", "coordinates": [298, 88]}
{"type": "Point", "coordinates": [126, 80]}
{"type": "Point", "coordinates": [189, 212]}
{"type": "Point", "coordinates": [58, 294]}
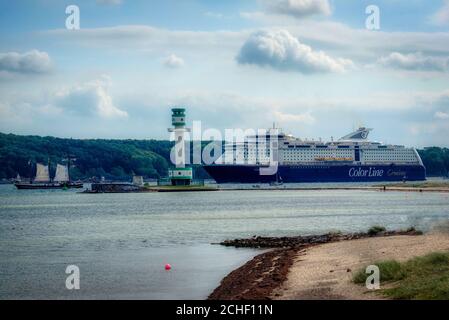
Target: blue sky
{"type": "Point", "coordinates": [309, 65]}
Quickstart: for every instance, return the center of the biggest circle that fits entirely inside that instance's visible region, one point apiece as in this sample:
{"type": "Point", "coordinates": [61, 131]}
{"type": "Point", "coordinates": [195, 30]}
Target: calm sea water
{"type": "Point", "coordinates": [121, 242]}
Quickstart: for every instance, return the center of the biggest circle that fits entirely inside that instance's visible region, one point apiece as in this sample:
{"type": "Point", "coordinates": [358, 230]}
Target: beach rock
{"type": "Point", "coordinates": [304, 241]}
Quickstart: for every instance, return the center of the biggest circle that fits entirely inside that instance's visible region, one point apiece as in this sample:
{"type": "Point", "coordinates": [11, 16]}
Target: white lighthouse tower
{"type": "Point", "coordinates": [181, 175]}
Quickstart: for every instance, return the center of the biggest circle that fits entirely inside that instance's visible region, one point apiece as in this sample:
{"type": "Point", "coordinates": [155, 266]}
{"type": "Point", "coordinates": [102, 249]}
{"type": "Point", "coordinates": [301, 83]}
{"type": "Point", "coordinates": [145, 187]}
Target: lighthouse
{"type": "Point", "coordinates": [180, 175]}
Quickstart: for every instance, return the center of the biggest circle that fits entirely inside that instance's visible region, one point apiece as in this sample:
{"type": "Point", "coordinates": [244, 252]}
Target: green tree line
{"type": "Point", "coordinates": [119, 159]}
{"type": "Point", "coordinates": [113, 159]}
{"type": "Point", "coordinates": [436, 161]}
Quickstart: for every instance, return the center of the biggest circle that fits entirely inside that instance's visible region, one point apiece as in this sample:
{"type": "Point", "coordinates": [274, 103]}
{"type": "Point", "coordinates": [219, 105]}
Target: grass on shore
{"type": "Point", "coordinates": [426, 184]}
{"type": "Point", "coordinates": [421, 278]}
{"type": "Point", "coordinates": [375, 230]}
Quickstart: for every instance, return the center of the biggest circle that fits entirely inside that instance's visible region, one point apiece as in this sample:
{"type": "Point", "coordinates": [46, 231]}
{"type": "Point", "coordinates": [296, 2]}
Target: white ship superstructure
{"type": "Point", "coordinates": [353, 148]}
{"type": "Point", "coordinates": [350, 158]}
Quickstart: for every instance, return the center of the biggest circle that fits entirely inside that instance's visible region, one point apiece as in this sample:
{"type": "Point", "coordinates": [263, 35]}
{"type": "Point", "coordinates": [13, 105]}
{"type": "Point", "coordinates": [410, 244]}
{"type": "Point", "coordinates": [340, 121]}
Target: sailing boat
{"type": "Point", "coordinates": [42, 179]}
{"type": "Point", "coordinates": [62, 174]}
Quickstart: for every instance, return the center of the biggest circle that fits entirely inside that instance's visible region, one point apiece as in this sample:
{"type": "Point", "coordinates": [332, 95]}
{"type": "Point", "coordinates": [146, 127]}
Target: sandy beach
{"type": "Point", "coordinates": [325, 271]}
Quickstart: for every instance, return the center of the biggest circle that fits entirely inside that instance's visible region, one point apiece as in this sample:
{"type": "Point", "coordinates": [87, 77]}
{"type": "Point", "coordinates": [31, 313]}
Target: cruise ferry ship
{"type": "Point", "coordinates": [352, 158]}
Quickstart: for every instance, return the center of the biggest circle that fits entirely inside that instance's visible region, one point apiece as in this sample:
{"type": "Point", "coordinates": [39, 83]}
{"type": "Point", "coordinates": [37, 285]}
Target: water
{"type": "Point", "coordinates": [121, 242]}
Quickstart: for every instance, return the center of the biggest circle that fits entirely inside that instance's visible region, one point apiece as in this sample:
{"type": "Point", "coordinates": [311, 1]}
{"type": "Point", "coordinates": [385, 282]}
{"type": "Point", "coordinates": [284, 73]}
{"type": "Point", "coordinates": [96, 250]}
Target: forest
{"type": "Point", "coordinates": [119, 159]}
{"type": "Point", "coordinates": [112, 159]}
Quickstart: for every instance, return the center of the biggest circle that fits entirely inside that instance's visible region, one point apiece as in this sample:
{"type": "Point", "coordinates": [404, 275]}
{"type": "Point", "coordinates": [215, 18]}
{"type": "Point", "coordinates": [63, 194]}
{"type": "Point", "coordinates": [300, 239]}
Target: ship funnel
{"type": "Point", "coordinates": [360, 134]}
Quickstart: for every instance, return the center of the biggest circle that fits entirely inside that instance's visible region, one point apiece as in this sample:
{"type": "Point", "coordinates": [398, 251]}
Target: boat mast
{"type": "Point", "coordinates": [48, 166]}
{"type": "Point", "coordinates": [70, 158]}
{"type": "Point", "coordinates": [30, 170]}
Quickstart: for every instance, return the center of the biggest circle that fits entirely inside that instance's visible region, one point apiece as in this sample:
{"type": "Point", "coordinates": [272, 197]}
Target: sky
{"type": "Point", "coordinates": [312, 66]}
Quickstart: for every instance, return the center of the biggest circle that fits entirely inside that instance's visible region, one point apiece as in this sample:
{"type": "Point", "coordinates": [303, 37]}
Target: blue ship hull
{"type": "Point", "coordinates": [317, 173]}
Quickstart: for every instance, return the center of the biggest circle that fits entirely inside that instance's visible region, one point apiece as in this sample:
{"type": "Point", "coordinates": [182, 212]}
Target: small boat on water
{"type": "Point", "coordinates": [42, 179]}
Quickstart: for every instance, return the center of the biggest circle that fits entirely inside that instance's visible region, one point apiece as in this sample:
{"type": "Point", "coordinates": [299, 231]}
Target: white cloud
{"type": "Point", "coordinates": [110, 2]}
{"type": "Point", "coordinates": [335, 38]}
{"type": "Point", "coordinates": [173, 61]}
{"type": "Point", "coordinates": [253, 15]}
{"type": "Point", "coordinates": [214, 15]}
{"type": "Point", "coordinates": [415, 61]}
{"type": "Point", "coordinates": [360, 45]}
{"type": "Point", "coordinates": [325, 117]}
{"type": "Point", "coordinates": [91, 98]}
{"type": "Point", "coordinates": [299, 8]}
{"type": "Point", "coordinates": [442, 16]}
{"type": "Point", "coordinates": [441, 115]}
{"type": "Point", "coordinates": [306, 118]}
{"type": "Point", "coordinates": [302, 116]}
{"type": "Point", "coordinates": [132, 37]}
{"type": "Point", "coordinates": [280, 50]}
{"type": "Point", "coordinates": [33, 61]}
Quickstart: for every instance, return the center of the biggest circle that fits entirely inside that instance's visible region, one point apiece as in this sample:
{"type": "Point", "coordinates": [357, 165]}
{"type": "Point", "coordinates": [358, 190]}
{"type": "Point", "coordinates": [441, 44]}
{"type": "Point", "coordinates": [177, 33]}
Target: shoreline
{"type": "Point", "coordinates": [257, 278]}
{"type": "Point", "coordinates": [327, 271]}
{"type": "Point", "coordinates": [263, 277]}
{"type": "Point", "coordinates": [400, 189]}
{"type": "Point", "coordinates": [210, 189]}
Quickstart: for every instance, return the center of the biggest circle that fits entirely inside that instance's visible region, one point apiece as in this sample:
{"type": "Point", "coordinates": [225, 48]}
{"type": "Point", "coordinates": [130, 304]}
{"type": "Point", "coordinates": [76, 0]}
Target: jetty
{"type": "Point", "coordinates": [97, 188]}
